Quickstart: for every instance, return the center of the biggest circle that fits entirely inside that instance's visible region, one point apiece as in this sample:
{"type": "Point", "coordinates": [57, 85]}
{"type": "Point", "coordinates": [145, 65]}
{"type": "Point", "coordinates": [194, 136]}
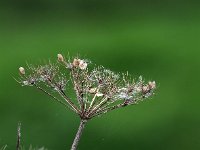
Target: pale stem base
{"type": "Point", "coordinates": [78, 134]}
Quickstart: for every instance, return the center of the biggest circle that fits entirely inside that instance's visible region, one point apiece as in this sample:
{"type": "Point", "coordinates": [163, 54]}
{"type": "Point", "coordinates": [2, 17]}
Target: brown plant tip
{"type": "Point", "coordinates": [76, 62]}
{"type": "Point", "coordinates": [60, 58]}
{"type": "Point", "coordinates": [152, 85]}
{"type": "Point", "coordinates": [22, 70]}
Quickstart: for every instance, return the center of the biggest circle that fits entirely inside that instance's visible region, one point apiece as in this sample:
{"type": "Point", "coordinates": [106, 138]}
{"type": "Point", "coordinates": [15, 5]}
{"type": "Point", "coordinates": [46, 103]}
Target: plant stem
{"type": "Point", "coordinates": [18, 136]}
{"type": "Point", "coordinates": [78, 134]}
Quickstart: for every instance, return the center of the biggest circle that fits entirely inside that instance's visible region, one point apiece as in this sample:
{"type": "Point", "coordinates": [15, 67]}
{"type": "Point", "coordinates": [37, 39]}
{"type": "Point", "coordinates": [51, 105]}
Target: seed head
{"type": "Point", "coordinates": [22, 70]}
{"type": "Point", "coordinates": [60, 58]}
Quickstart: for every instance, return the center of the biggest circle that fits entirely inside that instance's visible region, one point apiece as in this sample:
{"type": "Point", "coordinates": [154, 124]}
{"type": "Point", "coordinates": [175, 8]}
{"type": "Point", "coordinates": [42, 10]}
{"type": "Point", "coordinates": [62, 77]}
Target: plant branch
{"type": "Point", "coordinates": [41, 89]}
{"type": "Point", "coordinates": [105, 110]}
{"type": "Point", "coordinates": [69, 101]}
{"type": "Point", "coordinates": [78, 134]}
{"type": "Point", "coordinates": [74, 78]}
{"type": "Point", "coordinates": [62, 94]}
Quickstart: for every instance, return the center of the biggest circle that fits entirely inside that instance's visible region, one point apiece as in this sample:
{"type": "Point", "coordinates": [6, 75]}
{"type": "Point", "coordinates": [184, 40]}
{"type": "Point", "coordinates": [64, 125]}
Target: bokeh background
{"type": "Point", "coordinates": [157, 39]}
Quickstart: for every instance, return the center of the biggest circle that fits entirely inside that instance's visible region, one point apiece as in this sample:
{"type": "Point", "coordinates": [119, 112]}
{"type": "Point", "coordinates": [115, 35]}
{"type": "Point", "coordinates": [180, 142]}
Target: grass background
{"type": "Point", "coordinates": [156, 39]}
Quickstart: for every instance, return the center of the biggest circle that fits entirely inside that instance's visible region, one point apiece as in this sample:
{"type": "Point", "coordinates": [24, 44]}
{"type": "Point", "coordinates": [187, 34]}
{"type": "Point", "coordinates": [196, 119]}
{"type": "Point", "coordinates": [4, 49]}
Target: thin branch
{"type": "Point", "coordinates": [102, 102]}
{"type": "Point", "coordinates": [49, 94]}
{"type": "Point", "coordinates": [105, 110]}
{"type": "Point", "coordinates": [93, 99]}
{"type": "Point", "coordinates": [77, 88]}
{"type": "Point", "coordinates": [68, 100]}
{"type": "Point", "coordinates": [62, 94]}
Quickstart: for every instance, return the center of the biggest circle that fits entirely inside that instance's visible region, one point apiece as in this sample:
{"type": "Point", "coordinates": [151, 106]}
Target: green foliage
{"type": "Point", "coordinates": [158, 39]}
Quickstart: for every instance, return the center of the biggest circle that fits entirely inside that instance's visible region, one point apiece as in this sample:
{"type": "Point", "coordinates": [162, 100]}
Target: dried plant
{"type": "Point", "coordinates": [97, 90]}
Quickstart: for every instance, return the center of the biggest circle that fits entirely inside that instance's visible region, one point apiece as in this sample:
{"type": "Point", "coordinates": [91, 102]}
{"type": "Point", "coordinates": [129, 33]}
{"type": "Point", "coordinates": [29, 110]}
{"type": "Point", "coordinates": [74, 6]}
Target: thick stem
{"type": "Point", "coordinates": [78, 134]}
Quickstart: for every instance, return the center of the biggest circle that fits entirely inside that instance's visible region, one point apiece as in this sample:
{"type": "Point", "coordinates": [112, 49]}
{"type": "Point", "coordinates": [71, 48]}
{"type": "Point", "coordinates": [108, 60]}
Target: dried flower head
{"type": "Point", "coordinates": [98, 90]}
{"type": "Point", "coordinates": [76, 62]}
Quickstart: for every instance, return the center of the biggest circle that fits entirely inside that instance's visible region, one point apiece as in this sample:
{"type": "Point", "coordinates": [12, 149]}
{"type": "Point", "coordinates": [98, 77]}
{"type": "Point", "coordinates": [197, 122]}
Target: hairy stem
{"type": "Point", "coordinates": [78, 134]}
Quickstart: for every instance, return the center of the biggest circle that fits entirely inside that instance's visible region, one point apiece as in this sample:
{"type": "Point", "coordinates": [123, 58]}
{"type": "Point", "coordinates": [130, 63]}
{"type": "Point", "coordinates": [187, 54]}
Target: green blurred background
{"type": "Point", "coordinates": [157, 39]}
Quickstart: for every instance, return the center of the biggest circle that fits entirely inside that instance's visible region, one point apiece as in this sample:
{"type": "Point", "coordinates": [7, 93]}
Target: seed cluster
{"type": "Point", "coordinates": [98, 90]}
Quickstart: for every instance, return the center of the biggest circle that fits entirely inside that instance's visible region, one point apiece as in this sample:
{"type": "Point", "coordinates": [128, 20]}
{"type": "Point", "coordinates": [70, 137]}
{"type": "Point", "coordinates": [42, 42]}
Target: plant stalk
{"type": "Point", "coordinates": [78, 134]}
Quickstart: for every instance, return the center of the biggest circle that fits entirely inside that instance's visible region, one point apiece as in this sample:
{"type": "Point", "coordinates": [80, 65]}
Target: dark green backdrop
{"type": "Point", "coordinates": [156, 39]}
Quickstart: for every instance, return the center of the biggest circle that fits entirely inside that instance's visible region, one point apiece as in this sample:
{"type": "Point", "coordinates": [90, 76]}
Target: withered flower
{"type": "Point", "coordinates": [97, 90]}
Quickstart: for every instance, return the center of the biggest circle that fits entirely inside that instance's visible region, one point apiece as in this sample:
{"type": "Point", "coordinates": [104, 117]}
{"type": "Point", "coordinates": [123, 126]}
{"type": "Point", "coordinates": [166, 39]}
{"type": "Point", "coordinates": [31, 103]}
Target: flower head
{"type": "Point", "coordinates": [98, 90]}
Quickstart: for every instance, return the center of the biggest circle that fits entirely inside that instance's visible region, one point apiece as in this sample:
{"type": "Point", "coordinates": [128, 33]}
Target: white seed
{"type": "Point", "coordinates": [60, 58]}
{"type": "Point", "coordinates": [22, 70]}
{"type": "Point", "coordinates": [82, 65]}
{"type": "Point", "coordinates": [99, 94]}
